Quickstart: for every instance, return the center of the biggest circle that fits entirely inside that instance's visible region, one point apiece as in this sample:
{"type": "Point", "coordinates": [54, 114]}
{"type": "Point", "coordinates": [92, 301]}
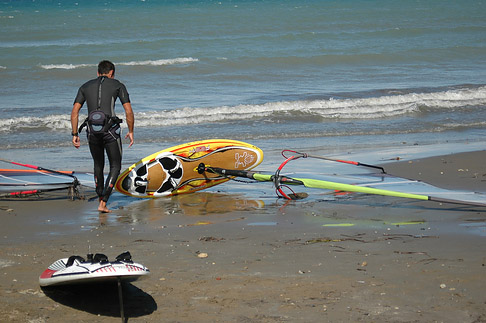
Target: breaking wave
{"type": "Point", "coordinates": [306, 111]}
{"type": "Point", "coordinates": [159, 62]}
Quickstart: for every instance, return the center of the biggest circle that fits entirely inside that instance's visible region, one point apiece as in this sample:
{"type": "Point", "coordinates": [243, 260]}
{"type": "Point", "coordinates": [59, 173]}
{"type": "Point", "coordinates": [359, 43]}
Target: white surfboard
{"type": "Point", "coordinates": [76, 270]}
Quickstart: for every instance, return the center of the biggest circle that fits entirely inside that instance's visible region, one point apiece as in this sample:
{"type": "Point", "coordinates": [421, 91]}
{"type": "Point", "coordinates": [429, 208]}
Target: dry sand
{"type": "Point", "coordinates": [389, 260]}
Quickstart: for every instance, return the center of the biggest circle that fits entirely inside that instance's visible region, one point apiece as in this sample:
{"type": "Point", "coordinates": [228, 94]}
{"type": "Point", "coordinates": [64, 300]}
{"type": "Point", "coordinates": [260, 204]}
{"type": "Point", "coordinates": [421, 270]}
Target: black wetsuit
{"type": "Point", "coordinates": [101, 93]}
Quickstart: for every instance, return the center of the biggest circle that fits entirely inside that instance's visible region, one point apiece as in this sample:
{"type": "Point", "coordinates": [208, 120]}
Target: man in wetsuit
{"type": "Point", "coordinates": [100, 95]}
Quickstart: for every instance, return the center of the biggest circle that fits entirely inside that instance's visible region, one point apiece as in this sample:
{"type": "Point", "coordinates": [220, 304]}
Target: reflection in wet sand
{"type": "Point", "coordinates": [197, 204]}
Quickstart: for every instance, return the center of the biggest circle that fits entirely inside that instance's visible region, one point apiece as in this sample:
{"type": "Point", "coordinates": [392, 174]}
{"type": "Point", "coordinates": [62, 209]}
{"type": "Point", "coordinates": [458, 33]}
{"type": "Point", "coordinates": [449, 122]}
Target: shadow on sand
{"type": "Point", "coordinates": [103, 299]}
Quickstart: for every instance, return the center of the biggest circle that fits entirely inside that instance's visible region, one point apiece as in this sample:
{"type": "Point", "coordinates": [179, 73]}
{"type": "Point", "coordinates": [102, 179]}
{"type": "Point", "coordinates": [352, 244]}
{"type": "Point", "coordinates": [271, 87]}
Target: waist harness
{"type": "Point", "coordinates": [98, 121]}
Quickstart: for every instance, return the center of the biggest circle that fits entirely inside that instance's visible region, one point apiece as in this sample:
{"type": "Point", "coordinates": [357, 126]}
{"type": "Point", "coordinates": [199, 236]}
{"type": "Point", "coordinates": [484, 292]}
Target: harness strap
{"type": "Point", "coordinates": [83, 125]}
{"type": "Point", "coordinates": [99, 92]}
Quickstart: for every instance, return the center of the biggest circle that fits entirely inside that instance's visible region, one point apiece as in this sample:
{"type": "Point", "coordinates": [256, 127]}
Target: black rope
{"type": "Point", "coordinates": [233, 178]}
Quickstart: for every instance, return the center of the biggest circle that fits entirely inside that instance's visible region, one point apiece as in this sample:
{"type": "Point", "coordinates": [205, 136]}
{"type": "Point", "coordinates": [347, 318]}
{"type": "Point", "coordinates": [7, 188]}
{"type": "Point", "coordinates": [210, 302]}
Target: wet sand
{"type": "Point", "coordinates": [359, 258]}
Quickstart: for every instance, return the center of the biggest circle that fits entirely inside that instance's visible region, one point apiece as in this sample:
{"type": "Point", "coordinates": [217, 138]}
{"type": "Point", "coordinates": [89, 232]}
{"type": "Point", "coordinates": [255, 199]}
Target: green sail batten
{"type": "Point", "coordinates": [313, 183]}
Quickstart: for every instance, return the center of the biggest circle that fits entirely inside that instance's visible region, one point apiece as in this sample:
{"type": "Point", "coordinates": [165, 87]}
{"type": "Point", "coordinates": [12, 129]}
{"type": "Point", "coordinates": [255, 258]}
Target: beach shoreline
{"type": "Point", "coordinates": [363, 258]}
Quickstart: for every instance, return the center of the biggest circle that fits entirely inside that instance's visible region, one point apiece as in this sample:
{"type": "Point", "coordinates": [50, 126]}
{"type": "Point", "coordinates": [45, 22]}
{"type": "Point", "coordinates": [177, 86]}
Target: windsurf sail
{"type": "Point", "coordinates": [378, 184]}
{"type": "Point", "coordinates": [37, 180]}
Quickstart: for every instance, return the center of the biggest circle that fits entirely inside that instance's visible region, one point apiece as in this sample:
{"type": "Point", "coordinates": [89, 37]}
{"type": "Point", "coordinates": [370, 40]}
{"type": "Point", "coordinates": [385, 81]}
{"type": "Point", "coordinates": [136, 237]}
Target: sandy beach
{"type": "Point", "coordinates": [360, 259]}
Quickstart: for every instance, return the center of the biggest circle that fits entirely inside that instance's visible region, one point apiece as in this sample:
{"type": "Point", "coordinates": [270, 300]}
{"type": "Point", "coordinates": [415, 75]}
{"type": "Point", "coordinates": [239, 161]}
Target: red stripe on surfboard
{"type": "Point", "coordinates": [47, 273]}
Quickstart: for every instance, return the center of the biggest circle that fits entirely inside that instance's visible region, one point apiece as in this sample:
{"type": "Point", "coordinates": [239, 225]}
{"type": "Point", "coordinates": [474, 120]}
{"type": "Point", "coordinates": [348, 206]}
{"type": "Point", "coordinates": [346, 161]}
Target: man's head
{"type": "Point", "coordinates": [105, 68]}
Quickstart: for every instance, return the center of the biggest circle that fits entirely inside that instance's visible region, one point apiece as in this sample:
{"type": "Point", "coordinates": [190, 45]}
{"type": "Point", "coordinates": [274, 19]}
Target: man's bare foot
{"type": "Point", "coordinates": [102, 207]}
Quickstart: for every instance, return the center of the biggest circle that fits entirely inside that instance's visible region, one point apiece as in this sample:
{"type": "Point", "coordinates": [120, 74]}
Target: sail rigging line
{"type": "Point", "coordinates": [40, 168]}
{"type": "Point", "coordinates": [305, 155]}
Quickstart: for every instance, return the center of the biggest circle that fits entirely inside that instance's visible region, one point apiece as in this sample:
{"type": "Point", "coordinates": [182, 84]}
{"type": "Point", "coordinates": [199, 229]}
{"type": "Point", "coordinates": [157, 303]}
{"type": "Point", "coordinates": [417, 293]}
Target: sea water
{"type": "Point", "coordinates": [331, 76]}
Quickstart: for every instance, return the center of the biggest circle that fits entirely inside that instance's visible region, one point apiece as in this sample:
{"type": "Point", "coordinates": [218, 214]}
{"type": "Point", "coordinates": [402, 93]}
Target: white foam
{"type": "Point", "coordinates": [366, 108]}
{"type": "Point", "coordinates": [285, 111]}
{"type": "Point", "coordinates": [66, 66]}
{"type": "Point", "coordinates": [51, 122]}
{"type": "Point", "coordinates": [159, 62]}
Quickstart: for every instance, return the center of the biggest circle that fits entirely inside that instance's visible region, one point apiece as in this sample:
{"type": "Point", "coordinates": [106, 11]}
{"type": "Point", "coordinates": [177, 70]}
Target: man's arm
{"type": "Point", "coordinates": [130, 121]}
{"type": "Point", "coordinates": [74, 124]}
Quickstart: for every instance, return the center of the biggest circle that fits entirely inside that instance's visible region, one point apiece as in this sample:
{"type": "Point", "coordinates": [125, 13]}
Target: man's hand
{"type": "Point", "coordinates": [76, 141]}
{"type": "Point", "coordinates": [130, 136]}
{"type": "Point", "coordinates": [130, 121]}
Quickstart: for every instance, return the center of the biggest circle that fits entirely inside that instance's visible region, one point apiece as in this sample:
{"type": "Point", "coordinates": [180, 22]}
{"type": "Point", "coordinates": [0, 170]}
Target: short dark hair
{"type": "Point", "coordinates": [104, 67]}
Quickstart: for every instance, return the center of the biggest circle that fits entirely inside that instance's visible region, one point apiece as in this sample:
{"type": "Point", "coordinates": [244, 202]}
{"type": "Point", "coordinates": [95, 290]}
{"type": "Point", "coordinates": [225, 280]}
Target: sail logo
{"type": "Point", "coordinates": [243, 159]}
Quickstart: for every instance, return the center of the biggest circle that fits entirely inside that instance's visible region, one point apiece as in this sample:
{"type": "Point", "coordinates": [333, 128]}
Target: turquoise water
{"type": "Point", "coordinates": [322, 74]}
